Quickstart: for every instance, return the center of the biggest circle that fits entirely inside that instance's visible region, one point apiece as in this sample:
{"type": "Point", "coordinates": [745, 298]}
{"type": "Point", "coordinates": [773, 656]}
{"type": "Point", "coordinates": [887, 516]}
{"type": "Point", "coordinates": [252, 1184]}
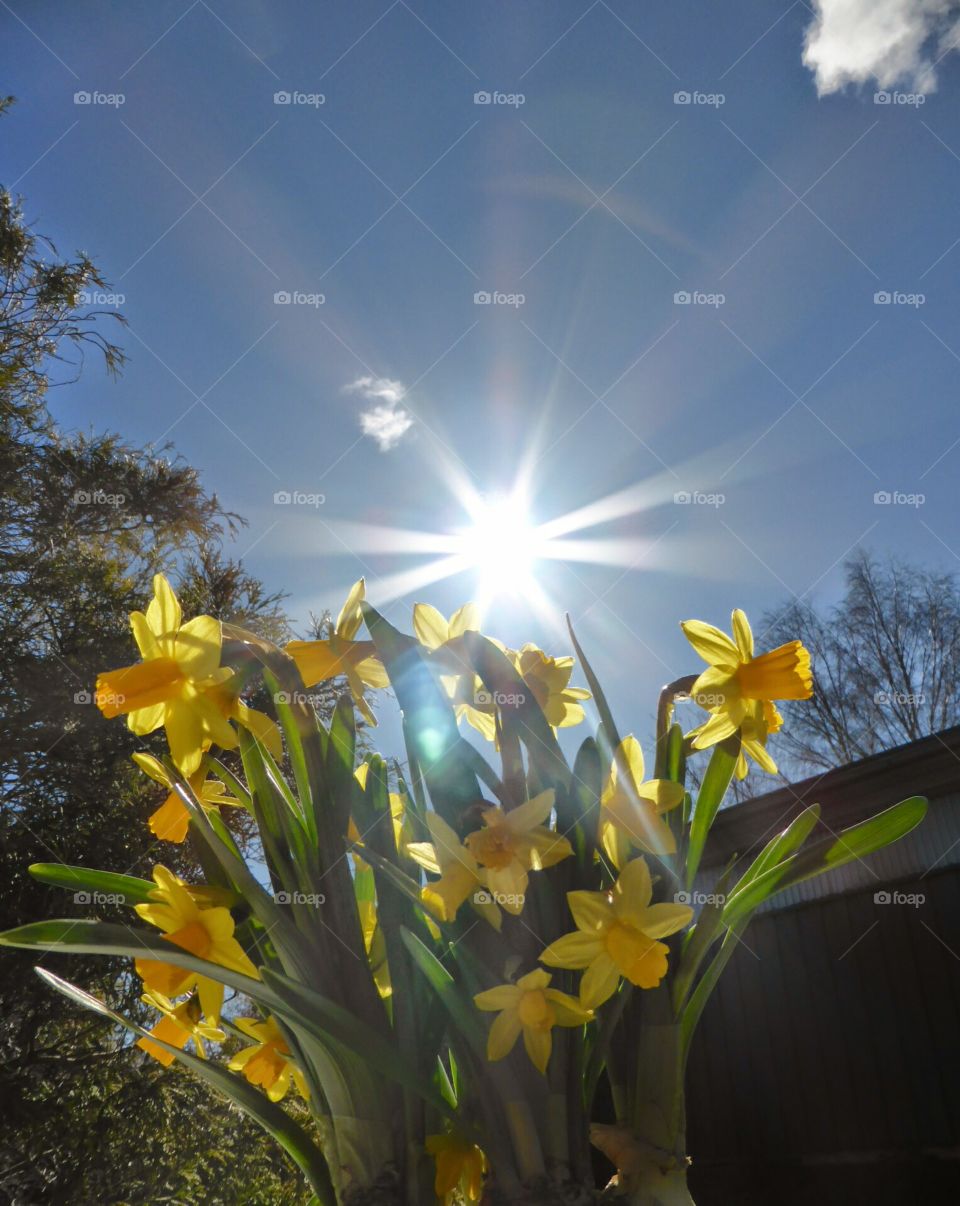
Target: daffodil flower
{"type": "Point", "coordinates": [462, 684]}
{"type": "Point", "coordinates": [341, 654]}
{"type": "Point", "coordinates": [617, 935]}
{"type": "Point", "coordinates": [268, 1064]}
{"type": "Point", "coordinates": [631, 807]}
{"type": "Point", "coordinates": [460, 1166]}
{"type": "Point", "coordinates": [171, 686]}
{"type": "Point", "coordinates": [548, 678]}
{"type": "Point", "coordinates": [178, 1025]}
{"type": "Point", "coordinates": [736, 679]}
{"type": "Point", "coordinates": [172, 819]}
{"type": "Point", "coordinates": [532, 1008]}
{"type": "Point", "coordinates": [513, 843]}
{"type": "Point", "coordinates": [204, 932]}
{"type": "Point", "coordinates": [461, 877]}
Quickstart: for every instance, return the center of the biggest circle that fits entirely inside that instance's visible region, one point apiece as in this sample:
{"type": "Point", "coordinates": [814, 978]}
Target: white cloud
{"type": "Point", "coordinates": [387, 422]}
{"type": "Point", "coordinates": [893, 42]}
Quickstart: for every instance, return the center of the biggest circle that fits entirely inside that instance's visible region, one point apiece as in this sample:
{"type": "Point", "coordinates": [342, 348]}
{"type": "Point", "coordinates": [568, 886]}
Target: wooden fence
{"type": "Point", "coordinates": [827, 1065]}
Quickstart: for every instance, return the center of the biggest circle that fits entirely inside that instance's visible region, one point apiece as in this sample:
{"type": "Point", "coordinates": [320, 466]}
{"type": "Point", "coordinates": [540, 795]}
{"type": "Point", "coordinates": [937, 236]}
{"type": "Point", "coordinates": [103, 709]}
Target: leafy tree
{"type": "Point", "coordinates": [84, 519]}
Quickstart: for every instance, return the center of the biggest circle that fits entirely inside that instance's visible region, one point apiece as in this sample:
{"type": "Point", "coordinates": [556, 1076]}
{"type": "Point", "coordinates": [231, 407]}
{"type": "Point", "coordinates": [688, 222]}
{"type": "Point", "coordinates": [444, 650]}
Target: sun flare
{"type": "Point", "coordinates": [501, 545]}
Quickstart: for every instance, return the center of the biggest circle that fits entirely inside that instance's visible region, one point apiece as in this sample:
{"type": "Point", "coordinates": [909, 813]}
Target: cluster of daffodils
{"type": "Point", "coordinates": [482, 857]}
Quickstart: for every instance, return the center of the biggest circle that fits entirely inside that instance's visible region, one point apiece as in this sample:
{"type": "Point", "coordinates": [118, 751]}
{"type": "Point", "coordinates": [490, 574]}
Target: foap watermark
{"type": "Point", "coordinates": [111, 100]}
{"type": "Point", "coordinates": [700, 898]}
{"type": "Point", "coordinates": [696, 297]}
{"type": "Point", "coordinates": [296, 297]}
{"type": "Point", "coordinates": [310, 699]}
{"type": "Point", "coordinates": [508, 900]}
{"type": "Point", "coordinates": [885, 698]}
{"type": "Point", "coordinates": [894, 297]}
{"type": "Point", "coordinates": [712, 100]}
{"type": "Point", "coordinates": [913, 900]}
{"type": "Point", "coordinates": [297, 498]}
{"type": "Point", "coordinates": [898, 498]}
{"type": "Point", "coordinates": [96, 297]}
{"type": "Point", "coordinates": [910, 99]}
{"type": "Point", "coordinates": [484, 298]}
{"type": "Point", "coordinates": [99, 898]}
{"type": "Point", "coordinates": [499, 699]}
{"type": "Point", "coordinates": [314, 899]}
{"type": "Point", "coordinates": [309, 100]}
{"type": "Point", "coordinates": [105, 699]}
{"type": "Point", "coordinates": [98, 498]}
{"type": "Point", "coordinates": [512, 100]}
{"type": "Point", "coordinates": [699, 498]}
{"type": "Point", "coordinates": [709, 699]}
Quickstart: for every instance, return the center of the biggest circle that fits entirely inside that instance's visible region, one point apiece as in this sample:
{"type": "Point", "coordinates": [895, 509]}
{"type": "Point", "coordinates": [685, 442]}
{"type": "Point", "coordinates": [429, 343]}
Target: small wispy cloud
{"type": "Point", "coordinates": [889, 41]}
{"type": "Point", "coordinates": [387, 422]}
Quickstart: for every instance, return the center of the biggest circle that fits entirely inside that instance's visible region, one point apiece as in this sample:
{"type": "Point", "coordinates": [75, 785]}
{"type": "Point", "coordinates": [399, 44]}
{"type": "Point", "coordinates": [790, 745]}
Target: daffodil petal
{"type": "Point", "coordinates": [538, 1044]}
{"type": "Point", "coordinates": [573, 951]}
{"type": "Point", "coordinates": [599, 982]}
{"type": "Point", "coordinates": [659, 920]}
{"type": "Point", "coordinates": [503, 1034]}
{"type": "Point", "coordinates": [742, 634]}
{"type": "Point", "coordinates": [714, 646]}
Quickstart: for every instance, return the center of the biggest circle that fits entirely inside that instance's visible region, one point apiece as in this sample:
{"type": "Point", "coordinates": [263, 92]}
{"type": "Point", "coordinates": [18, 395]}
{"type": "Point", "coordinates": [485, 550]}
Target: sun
{"type": "Point", "coordinates": [501, 545]}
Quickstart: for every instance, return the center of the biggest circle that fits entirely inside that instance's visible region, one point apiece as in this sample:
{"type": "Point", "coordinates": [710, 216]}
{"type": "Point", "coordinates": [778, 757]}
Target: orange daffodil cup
{"type": "Point", "coordinates": [396, 930]}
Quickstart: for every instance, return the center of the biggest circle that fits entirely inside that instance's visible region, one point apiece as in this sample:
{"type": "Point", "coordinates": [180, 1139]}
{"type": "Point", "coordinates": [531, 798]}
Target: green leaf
{"type": "Point", "coordinates": [609, 729]}
{"type": "Point", "coordinates": [781, 846]}
{"type": "Point", "coordinates": [402, 882]}
{"type": "Point", "coordinates": [429, 722]}
{"type": "Point", "coordinates": [587, 786]}
{"type": "Point", "coordinates": [302, 1003]}
{"type": "Point", "coordinates": [826, 855]}
{"type": "Point", "coordinates": [83, 879]}
{"type": "Point", "coordinates": [720, 770]}
{"type": "Point", "coordinates": [462, 1011]}
{"type": "Point", "coordinates": [274, 1120]}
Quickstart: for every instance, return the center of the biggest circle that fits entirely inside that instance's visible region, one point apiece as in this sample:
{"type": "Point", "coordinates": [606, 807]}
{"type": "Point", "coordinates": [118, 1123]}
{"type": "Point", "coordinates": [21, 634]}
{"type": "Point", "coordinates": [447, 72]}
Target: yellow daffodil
{"type": "Point", "coordinates": [616, 936]}
{"type": "Point", "coordinates": [736, 678]}
{"type": "Point", "coordinates": [460, 1166]}
{"type": "Point", "coordinates": [547, 677]}
{"type": "Point", "coordinates": [471, 701]}
{"type": "Point", "coordinates": [533, 1008]}
{"type": "Point", "coordinates": [461, 877]}
{"type": "Point", "coordinates": [178, 1025]}
{"type": "Point", "coordinates": [268, 1064]}
{"type": "Point", "coordinates": [171, 686]}
{"type": "Point", "coordinates": [204, 932]}
{"type": "Point", "coordinates": [513, 843]}
{"type": "Point", "coordinates": [341, 654]}
{"type": "Point", "coordinates": [172, 819]}
{"type": "Point", "coordinates": [631, 807]}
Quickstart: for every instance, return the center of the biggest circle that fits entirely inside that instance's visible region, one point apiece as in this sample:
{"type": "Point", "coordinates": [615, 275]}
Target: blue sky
{"type": "Point", "coordinates": [781, 398]}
